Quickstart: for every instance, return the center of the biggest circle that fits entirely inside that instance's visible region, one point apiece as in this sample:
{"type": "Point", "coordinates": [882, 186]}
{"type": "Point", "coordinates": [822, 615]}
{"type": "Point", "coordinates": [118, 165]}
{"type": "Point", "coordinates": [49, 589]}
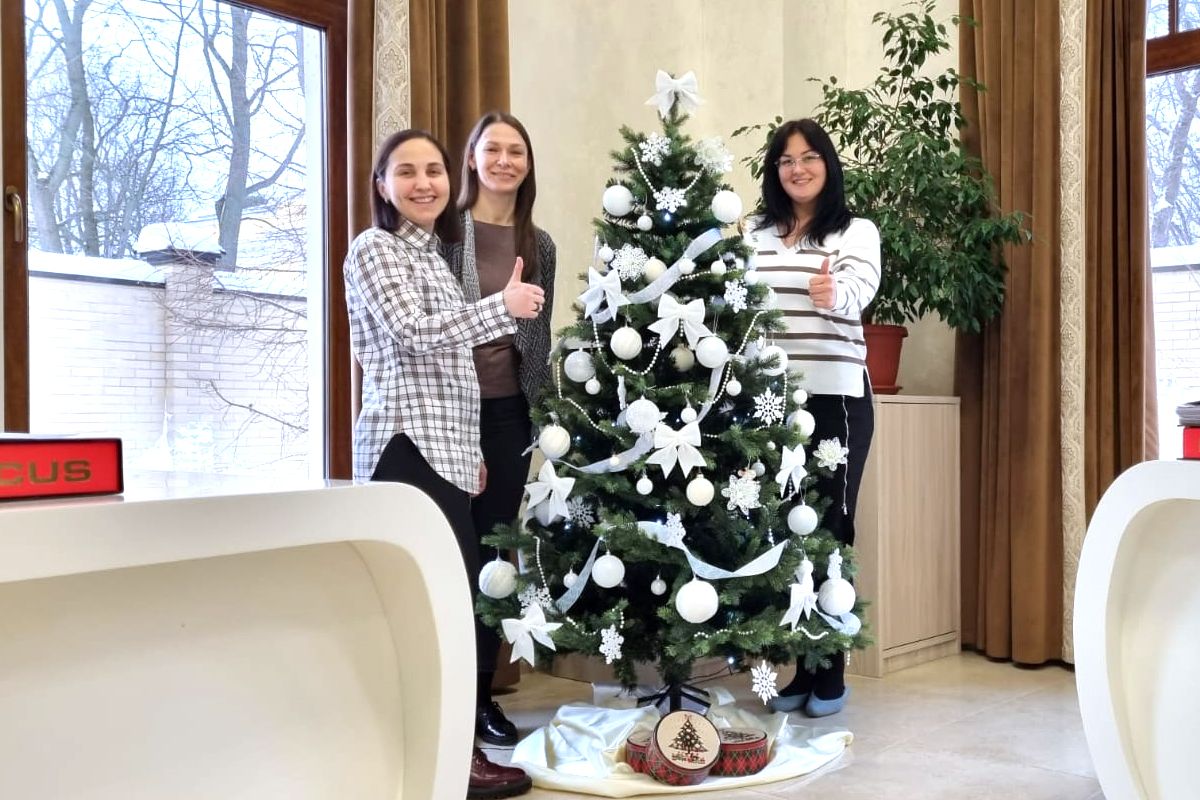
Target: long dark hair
{"type": "Point", "coordinates": [832, 215]}
{"type": "Point", "coordinates": [448, 227]}
{"type": "Point", "coordinates": [523, 228]}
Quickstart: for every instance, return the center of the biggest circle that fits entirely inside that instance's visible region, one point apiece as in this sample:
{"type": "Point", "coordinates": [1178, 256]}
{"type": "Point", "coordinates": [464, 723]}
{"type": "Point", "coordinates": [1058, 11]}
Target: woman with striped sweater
{"type": "Point", "coordinates": [823, 264]}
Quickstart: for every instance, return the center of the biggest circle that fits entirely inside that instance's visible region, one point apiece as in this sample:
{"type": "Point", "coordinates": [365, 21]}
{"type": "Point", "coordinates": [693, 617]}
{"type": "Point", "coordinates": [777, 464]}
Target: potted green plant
{"type": "Point", "coordinates": [907, 170]}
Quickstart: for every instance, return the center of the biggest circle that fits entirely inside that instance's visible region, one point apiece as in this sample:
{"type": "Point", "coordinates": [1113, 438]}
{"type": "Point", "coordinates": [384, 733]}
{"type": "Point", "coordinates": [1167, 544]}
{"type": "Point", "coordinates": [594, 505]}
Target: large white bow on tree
{"type": "Point", "coordinates": [521, 633]}
{"type": "Point", "coordinates": [548, 495]}
{"type": "Point", "coordinates": [672, 314]}
{"type": "Point", "coordinates": [602, 290]}
{"type": "Point", "coordinates": [791, 467]}
{"type": "Point", "coordinates": [668, 90]}
{"type": "Point", "coordinates": [677, 447]}
{"type": "Point", "coordinates": [803, 599]}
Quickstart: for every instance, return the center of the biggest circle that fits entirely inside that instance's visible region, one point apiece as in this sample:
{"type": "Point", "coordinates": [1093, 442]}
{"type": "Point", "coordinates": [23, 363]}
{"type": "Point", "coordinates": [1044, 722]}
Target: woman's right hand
{"type": "Point", "coordinates": [523, 300]}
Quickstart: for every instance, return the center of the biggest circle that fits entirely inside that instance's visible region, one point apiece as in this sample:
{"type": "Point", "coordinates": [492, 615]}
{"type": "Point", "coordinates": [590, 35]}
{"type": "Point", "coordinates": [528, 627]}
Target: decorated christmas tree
{"type": "Point", "coordinates": [672, 519]}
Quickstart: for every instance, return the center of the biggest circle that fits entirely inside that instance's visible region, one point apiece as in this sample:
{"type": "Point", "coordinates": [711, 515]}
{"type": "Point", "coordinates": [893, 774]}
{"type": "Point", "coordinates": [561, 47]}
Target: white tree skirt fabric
{"type": "Point", "coordinates": [583, 748]}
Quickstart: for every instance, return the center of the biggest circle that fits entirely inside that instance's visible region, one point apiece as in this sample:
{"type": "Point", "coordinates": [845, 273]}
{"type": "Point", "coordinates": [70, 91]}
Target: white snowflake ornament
{"type": "Point", "coordinates": [670, 199]}
{"type": "Point", "coordinates": [743, 492]}
{"type": "Point", "coordinates": [610, 644]}
{"type": "Point", "coordinates": [654, 147]}
{"type": "Point", "coordinates": [735, 296]}
{"type": "Point", "coordinates": [532, 596]}
{"type": "Point", "coordinates": [630, 262]}
{"type": "Point", "coordinates": [769, 407]}
{"type": "Point", "coordinates": [762, 681]}
{"type": "Point", "coordinates": [580, 512]}
{"type": "Point", "coordinates": [674, 531]}
{"type": "Point", "coordinates": [830, 454]}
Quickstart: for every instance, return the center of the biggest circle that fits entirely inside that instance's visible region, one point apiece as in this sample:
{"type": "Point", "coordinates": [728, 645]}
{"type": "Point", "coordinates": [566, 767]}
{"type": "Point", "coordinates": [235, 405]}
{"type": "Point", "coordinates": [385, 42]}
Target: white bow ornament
{"type": "Point", "coordinates": [602, 290]}
{"type": "Point", "coordinates": [672, 314]}
{"type": "Point", "coordinates": [548, 495]}
{"type": "Point", "coordinates": [791, 467]}
{"type": "Point", "coordinates": [677, 447]}
{"type": "Point", "coordinates": [521, 633]}
{"type": "Point", "coordinates": [668, 90]}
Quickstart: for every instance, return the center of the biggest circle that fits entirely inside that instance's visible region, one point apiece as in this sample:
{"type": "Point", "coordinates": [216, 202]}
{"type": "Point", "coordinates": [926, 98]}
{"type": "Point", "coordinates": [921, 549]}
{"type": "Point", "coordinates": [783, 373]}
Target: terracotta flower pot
{"type": "Point", "coordinates": [883, 355]}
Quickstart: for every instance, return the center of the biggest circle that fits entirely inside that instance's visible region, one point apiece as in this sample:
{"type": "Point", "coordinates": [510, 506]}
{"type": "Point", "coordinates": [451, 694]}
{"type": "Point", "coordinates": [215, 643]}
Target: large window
{"type": "Point", "coordinates": [1173, 151]}
{"type": "Point", "coordinates": [178, 251]}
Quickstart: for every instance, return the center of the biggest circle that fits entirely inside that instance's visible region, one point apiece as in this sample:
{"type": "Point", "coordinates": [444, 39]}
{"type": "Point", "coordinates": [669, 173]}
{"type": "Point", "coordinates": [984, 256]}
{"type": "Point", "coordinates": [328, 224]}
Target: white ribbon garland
{"type": "Point", "coordinates": [702, 569]}
{"type": "Point", "coordinates": [668, 90]}
{"type": "Point", "coordinates": [564, 603]}
{"type": "Point", "coordinates": [521, 633]}
{"type": "Point", "coordinates": [677, 446]}
{"type": "Point", "coordinates": [672, 315]}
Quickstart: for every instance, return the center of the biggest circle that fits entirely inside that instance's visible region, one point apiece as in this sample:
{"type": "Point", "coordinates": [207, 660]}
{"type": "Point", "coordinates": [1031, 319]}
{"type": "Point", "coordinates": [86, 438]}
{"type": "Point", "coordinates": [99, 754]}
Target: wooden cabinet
{"type": "Point", "coordinates": [907, 534]}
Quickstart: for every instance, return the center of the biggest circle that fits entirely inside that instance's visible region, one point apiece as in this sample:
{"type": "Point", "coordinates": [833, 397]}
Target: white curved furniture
{"type": "Point", "coordinates": [190, 643]}
{"type": "Point", "coordinates": [1137, 634]}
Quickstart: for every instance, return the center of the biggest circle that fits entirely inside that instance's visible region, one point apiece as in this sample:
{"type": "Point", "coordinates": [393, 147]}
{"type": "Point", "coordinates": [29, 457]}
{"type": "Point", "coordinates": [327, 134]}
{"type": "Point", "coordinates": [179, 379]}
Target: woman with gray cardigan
{"type": "Point", "coordinates": [496, 203]}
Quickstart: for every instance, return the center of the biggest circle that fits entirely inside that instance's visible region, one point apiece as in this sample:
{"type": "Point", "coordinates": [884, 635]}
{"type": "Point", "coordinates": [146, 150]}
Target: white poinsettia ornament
{"type": "Point", "coordinates": [743, 492]}
{"type": "Point", "coordinates": [830, 454]}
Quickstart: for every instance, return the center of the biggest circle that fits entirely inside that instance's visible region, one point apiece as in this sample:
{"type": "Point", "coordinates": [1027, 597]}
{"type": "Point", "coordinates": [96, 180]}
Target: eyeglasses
{"type": "Point", "coordinates": [808, 159]}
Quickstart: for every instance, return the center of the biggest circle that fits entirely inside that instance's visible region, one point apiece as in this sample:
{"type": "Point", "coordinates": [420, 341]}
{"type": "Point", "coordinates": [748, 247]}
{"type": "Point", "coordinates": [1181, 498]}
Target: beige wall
{"type": "Point", "coordinates": [602, 70]}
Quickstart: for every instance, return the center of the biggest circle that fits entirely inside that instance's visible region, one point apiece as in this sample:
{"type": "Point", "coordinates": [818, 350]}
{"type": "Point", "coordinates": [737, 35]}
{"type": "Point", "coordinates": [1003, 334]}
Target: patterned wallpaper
{"type": "Point", "coordinates": [392, 108]}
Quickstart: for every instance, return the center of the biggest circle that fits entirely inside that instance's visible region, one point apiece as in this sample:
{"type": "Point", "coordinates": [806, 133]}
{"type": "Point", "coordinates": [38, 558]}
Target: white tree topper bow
{"type": "Point", "coordinates": [804, 599]}
{"type": "Point", "coordinates": [791, 467]}
{"type": "Point", "coordinates": [521, 633]}
{"type": "Point", "coordinates": [672, 314]}
{"type": "Point", "coordinates": [677, 447]}
{"type": "Point", "coordinates": [668, 89]}
{"type": "Point", "coordinates": [602, 290]}
{"type": "Point", "coordinates": [548, 495]}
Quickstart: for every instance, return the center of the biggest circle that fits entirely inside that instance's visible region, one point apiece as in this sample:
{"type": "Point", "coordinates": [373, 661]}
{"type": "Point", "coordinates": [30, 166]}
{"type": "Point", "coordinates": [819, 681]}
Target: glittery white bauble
{"type": "Point", "coordinates": [592, 386]}
{"type": "Point", "coordinates": [803, 422]}
{"type": "Point", "coordinates": [653, 269]}
{"type": "Point", "coordinates": [759, 468]}
{"type": "Point", "coordinates": [498, 579]}
{"type": "Point", "coordinates": [658, 586]}
{"type": "Point", "coordinates": [836, 597]}
{"type": "Point", "coordinates": [608, 571]}
{"type": "Point", "coordinates": [717, 267]}
{"type": "Point", "coordinates": [726, 206]}
{"type": "Point", "coordinates": [579, 366]}
{"type": "Point", "coordinates": [802, 520]}
{"type": "Point", "coordinates": [570, 578]}
{"type": "Point", "coordinates": [700, 491]}
{"type": "Point", "coordinates": [750, 278]}
{"type": "Point", "coordinates": [642, 415]}
{"type": "Point", "coordinates": [686, 266]}
{"type": "Point", "coordinates": [733, 388]}
{"type": "Point", "coordinates": [644, 223]}
{"type": "Point", "coordinates": [683, 358]}
{"type": "Point", "coordinates": [626, 343]}
{"type": "Point", "coordinates": [645, 485]}
{"type": "Point", "coordinates": [618, 201]}
{"type": "Point", "coordinates": [696, 601]}
{"type": "Point", "coordinates": [554, 441]}
{"type": "Point", "coordinates": [606, 254]}
{"type": "Point", "coordinates": [770, 445]}
{"type": "Point", "coordinates": [712, 351]}
{"type": "Point", "coordinates": [774, 351]}
{"type": "Point", "coordinates": [800, 397]}
{"type": "Point", "coordinates": [687, 415]}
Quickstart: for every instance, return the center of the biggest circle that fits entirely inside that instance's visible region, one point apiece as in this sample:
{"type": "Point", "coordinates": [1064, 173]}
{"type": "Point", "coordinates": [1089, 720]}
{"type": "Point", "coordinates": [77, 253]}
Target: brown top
{"type": "Point", "coordinates": [496, 361]}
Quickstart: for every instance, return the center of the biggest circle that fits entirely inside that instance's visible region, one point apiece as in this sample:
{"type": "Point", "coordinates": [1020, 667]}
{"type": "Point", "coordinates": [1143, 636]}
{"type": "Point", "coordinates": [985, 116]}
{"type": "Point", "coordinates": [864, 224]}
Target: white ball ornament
{"type": "Point", "coordinates": [579, 366]}
{"type": "Point", "coordinates": [717, 267]}
{"type": "Point", "coordinates": [836, 596]}
{"type": "Point", "coordinates": [770, 445]}
{"type": "Point", "coordinates": [645, 485]}
{"type": "Point", "coordinates": [802, 520]}
{"type": "Point", "coordinates": [570, 578]}
{"type": "Point", "coordinates": [696, 601]}
{"type": "Point", "coordinates": [642, 415]}
{"type": "Point", "coordinates": [733, 388]}
{"type": "Point", "coordinates": [750, 278]}
{"type": "Point", "coordinates": [712, 352]}
{"type": "Point", "coordinates": [686, 266]}
{"type": "Point", "coordinates": [700, 491]}
{"type": "Point", "coordinates": [759, 468]}
{"type": "Point", "coordinates": [626, 343]}
{"type": "Point", "coordinates": [688, 415]}
{"type": "Point", "coordinates": [800, 397]}
{"type": "Point", "coordinates": [803, 422]}
{"type": "Point", "coordinates": [554, 441]}
{"type": "Point", "coordinates": [614, 461]}
{"type": "Point", "coordinates": [658, 586]}
{"type": "Point", "coordinates": [592, 386]}
{"type": "Point", "coordinates": [608, 571]}
{"type": "Point", "coordinates": [683, 358]}
{"type": "Point", "coordinates": [653, 269]}
{"type": "Point", "coordinates": [774, 351]}
{"type": "Point", "coordinates": [617, 200]}
{"type": "Point", "coordinates": [606, 254]}
{"type": "Point", "coordinates": [726, 206]}
{"type": "Point", "coordinates": [498, 579]}
{"type": "Point", "coordinates": [644, 222]}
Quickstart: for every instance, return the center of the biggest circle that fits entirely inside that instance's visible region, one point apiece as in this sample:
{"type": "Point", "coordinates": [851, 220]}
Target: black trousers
{"type": "Point", "coordinates": [402, 462]}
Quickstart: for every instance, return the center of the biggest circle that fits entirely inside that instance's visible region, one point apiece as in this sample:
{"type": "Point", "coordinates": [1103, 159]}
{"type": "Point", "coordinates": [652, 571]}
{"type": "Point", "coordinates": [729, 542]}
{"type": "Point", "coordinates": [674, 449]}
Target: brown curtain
{"type": "Point", "coordinates": [361, 100]}
{"type": "Point", "coordinates": [459, 58]}
{"type": "Point", "coordinates": [1119, 398]}
{"type": "Point", "coordinates": [1008, 378]}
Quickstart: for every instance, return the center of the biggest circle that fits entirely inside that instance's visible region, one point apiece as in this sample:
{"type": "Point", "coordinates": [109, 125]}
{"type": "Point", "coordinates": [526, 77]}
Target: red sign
{"type": "Point", "coordinates": [33, 467]}
{"type": "Point", "coordinates": [1191, 442]}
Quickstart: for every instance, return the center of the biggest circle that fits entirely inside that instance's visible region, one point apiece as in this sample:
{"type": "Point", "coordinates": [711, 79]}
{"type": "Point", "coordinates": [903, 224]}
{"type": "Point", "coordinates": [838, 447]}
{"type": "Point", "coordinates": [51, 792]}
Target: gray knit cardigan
{"type": "Point", "coordinates": [533, 335]}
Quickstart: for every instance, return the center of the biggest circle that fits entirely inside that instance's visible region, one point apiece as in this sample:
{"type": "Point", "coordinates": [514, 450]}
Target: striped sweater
{"type": "Point", "coordinates": [825, 346]}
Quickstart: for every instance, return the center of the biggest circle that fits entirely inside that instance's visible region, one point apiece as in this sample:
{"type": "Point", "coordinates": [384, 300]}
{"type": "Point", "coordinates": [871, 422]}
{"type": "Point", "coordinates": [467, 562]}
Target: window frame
{"type": "Point", "coordinates": [1177, 50]}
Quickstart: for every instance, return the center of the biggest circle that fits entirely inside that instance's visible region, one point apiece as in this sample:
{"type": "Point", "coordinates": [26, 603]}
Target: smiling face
{"type": "Point", "coordinates": [802, 172]}
{"type": "Point", "coordinates": [500, 159]}
{"type": "Point", "coordinates": [416, 182]}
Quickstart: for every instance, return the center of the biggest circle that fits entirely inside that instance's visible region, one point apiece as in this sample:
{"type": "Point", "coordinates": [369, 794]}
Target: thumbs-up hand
{"type": "Point", "coordinates": [523, 300]}
{"type": "Point", "coordinates": [821, 288]}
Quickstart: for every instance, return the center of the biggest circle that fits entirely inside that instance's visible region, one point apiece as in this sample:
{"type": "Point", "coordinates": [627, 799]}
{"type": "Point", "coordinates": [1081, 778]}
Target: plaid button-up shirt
{"type": "Point", "coordinates": [412, 332]}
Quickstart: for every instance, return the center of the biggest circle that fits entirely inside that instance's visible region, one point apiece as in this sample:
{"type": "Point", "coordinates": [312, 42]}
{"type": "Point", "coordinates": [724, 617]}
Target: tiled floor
{"type": "Point", "coordinates": [961, 728]}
